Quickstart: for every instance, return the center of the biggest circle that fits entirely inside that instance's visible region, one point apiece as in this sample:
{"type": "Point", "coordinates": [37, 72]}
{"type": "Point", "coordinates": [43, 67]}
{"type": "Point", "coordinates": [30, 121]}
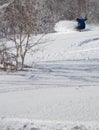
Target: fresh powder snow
{"type": "Point", "coordinates": [61, 92]}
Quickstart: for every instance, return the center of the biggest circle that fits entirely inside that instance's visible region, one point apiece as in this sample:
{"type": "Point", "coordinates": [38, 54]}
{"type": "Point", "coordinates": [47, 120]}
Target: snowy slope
{"type": "Point", "coordinates": [62, 91]}
{"type": "Point", "coordinates": [68, 44]}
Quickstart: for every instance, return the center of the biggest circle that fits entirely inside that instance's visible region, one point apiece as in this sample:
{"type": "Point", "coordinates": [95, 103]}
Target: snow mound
{"type": "Point", "coordinates": [65, 26]}
{"type": "Point", "coordinates": [25, 124]}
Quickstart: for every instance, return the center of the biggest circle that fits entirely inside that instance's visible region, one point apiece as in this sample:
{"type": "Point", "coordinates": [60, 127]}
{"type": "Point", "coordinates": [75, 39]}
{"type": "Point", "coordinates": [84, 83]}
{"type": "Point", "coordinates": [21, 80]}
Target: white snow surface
{"type": "Point", "coordinates": [68, 44]}
{"type": "Point", "coordinates": [61, 92]}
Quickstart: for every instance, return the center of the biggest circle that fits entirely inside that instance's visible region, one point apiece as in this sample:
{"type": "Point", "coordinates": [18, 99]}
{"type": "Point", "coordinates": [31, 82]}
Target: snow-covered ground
{"type": "Point", "coordinates": [68, 44]}
{"type": "Point", "coordinates": [62, 91]}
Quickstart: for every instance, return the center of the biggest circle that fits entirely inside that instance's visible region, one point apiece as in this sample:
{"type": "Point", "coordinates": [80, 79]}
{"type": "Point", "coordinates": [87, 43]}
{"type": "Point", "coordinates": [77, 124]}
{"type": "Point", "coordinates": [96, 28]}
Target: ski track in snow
{"type": "Point", "coordinates": [52, 74]}
{"type": "Point", "coordinates": [89, 40]}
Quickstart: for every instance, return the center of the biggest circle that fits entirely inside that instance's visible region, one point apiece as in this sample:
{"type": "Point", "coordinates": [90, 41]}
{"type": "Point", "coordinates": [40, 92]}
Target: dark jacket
{"type": "Point", "coordinates": [81, 22]}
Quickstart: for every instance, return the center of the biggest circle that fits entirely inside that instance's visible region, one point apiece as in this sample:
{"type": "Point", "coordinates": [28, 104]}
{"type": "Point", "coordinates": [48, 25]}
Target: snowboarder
{"type": "Point", "coordinates": [81, 23]}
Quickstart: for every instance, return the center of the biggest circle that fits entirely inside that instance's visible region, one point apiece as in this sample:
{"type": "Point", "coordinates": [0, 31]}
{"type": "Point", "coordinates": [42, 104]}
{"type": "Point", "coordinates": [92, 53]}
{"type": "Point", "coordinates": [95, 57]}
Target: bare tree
{"type": "Point", "coordinates": [81, 7]}
{"type": "Point", "coordinates": [6, 58]}
{"type": "Point", "coordinates": [19, 24]}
